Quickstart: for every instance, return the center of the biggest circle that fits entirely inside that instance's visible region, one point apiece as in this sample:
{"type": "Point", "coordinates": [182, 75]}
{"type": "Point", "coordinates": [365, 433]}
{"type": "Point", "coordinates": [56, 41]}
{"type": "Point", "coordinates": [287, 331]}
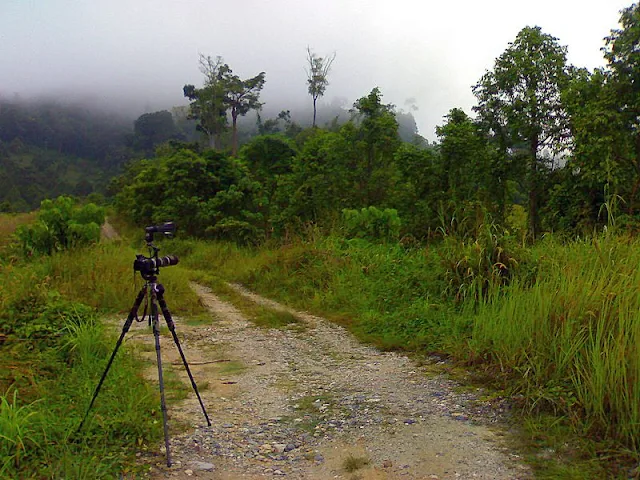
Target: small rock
{"type": "Point", "coordinates": [279, 447]}
{"type": "Point", "coordinates": [459, 416]}
{"type": "Point", "coordinates": [387, 464]}
{"type": "Point", "coordinates": [318, 458]}
{"type": "Point", "coordinates": [188, 472]}
{"type": "Point", "coordinates": [289, 447]}
{"type": "Point", "coordinates": [409, 421]}
{"type": "Point", "coordinates": [278, 472]}
{"type": "Point", "coordinates": [227, 425]}
{"type": "Point", "coordinates": [203, 466]}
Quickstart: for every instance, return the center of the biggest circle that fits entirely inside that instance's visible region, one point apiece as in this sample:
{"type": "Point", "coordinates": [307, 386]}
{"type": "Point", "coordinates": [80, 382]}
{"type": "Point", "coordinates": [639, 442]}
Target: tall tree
{"type": "Point", "coordinates": [378, 135]}
{"type": "Point", "coordinates": [317, 76]}
{"type": "Point", "coordinates": [208, 105]}
{"type": "Point", "coordinates": [520, 103]}
{"type": "Point", "coordinates": [241, 96]}
{"type": "Point", "coordinates": [622, 52]}
{"type": "Point", "coordinates": [465, 161]}
{"type": "Point", "coordinates": [152, 129]}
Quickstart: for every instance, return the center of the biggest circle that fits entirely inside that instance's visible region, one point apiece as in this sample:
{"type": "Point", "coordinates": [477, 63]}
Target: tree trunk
{"type": "Point", "coordinates": [314, 111]}
{"type": "Point", "coordinates": [534, 221]}
{"type": "Point", "coordinates": [234, 134]}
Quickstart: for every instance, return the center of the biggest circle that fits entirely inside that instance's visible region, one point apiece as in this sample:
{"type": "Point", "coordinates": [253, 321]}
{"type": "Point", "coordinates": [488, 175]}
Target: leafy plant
{"type": "Point", "coordinates": [60, 225]}
{"type": "Point", "coordinates": [372, 223]}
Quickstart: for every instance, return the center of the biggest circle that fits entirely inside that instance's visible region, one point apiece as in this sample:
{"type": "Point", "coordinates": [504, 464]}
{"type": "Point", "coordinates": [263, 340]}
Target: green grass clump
{"type": "Point", "coordinates": [38, 424]}
{"type": "Point", "coordinates": [53, 351]}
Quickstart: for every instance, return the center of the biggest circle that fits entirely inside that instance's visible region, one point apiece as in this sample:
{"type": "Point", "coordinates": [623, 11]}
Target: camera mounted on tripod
{"type": "Point", "coordinates": [150, 266]}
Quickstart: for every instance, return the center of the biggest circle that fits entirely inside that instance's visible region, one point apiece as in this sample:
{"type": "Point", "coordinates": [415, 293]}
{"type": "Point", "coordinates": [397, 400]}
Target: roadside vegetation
{"type": "Point", "coordinates": [560, 338]}
{"type": "Point", "coordinates": [54, 347]}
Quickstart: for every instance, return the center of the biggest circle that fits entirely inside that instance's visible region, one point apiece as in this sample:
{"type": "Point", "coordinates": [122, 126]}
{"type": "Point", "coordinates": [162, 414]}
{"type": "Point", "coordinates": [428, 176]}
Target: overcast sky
{"type": "Point", "coordinates": [143, 51]}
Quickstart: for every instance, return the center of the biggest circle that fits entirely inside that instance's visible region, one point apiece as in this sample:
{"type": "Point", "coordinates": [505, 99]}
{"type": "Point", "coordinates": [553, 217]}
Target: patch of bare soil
{"type": "Point", "coordinates": [314, 403]}
{"type": "Point", "coordinates": [107, 232]}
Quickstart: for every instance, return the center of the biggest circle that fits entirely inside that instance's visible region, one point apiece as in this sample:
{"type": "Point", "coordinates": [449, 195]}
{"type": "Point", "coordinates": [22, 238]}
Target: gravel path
{"type": "Point", "coordinates": [313, 403]}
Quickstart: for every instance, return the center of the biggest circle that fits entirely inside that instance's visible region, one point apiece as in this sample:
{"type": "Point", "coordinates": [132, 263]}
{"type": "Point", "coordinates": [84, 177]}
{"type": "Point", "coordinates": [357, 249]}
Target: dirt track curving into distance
{"type": "Point", "coordinates": [311, 402]}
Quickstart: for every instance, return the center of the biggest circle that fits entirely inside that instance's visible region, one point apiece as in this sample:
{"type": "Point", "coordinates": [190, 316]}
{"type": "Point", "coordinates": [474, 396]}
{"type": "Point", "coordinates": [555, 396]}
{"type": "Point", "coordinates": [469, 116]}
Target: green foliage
{"type": "Point", "coordinates": [207, 194]}
{"type": "Point", "coordinates": [520, 103]}
{"type": "Point", "coordinates": [377, 137]}
{"type": "Point", "coordinates": [152, 129]}
{"type": "Point", "coordinates": [18, 436]}
{"type": "Point", "coordinates": [477, 267]}
{"type": "Point", "coordinates": [372, 223]}
{"type": "Point", "coordinates": [418, 191]}
{"type": "Point", "coordinates": [60, 225]}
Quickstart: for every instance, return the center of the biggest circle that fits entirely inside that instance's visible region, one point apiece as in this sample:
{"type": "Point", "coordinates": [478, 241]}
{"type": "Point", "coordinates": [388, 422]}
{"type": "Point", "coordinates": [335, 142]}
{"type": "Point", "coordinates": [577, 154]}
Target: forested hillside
{"type": "Point", "coordinates": [49, 149]}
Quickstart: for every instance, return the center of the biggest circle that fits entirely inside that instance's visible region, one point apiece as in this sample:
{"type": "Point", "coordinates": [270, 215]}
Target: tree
{"type": "Point", "coordinates": [520, 104]}
{"type": "Point", "coordinates": [622, 52]}
{"type": "Point", "coordinates": [378, 135]}
{"type": "Point", "coordinates": [209, 193]}
{"type": "Point", "coordinates": [317, 73]}
{"type": "Point", "coordinates": [465, 162]}
{"type": "Point", "coordinates": [152, 129]}
{"type": "Point", "coordinates": [208, 106]}
{"type": "Point", "coordinates": [269, 159]}
{"type": "Point", "coordinates": [241, 96]}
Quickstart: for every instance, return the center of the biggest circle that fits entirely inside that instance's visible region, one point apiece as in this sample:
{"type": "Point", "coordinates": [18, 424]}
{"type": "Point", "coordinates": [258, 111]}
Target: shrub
{"type": "Point", "coordinates": [60, 225]}
{"type": "Point", "coordinates": [473, 267]}
{"type": "Point", "coordinates": [372, 223]}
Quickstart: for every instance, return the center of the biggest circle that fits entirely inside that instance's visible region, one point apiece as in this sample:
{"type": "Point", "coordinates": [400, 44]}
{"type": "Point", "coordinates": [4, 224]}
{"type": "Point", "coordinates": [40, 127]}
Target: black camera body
{"type": "Point", "coordinates": [150, 266]}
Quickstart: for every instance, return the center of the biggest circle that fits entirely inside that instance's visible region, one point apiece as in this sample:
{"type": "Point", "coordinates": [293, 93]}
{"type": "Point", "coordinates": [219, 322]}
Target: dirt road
{"type": "Point", "coordinates": [311, 402]}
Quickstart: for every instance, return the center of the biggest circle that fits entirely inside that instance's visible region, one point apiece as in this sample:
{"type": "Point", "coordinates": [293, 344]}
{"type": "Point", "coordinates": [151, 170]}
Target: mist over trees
{"type": "Point", "coordinates": [553, 148]}
{"type": "Point", "coordinates": [552, 145]}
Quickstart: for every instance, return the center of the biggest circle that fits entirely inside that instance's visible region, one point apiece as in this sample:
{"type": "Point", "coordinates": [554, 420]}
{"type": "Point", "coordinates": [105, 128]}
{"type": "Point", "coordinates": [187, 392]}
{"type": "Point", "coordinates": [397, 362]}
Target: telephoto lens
{"type": "Point", "coordinates": [166, 261]}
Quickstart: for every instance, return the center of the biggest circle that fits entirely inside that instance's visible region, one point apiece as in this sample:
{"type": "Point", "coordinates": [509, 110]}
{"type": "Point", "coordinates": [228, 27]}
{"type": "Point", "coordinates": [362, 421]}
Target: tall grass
{"type": "Point", "coordinates": [9, 222]}
{"type": "Point", "coordinates": [563, 331]}
{"type": "Point", "coordinates": [38, 425]}
{"type": "Point", "coordinates": [572, 338]}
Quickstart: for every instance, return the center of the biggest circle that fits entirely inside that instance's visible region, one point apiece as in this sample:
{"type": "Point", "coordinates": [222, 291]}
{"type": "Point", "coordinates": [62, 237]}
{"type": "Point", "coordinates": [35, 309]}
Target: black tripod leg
{"type": "Point", "coordinates": [172, 329]}
{"type": "Point", "coordinates": [125, 329]}
{"type": "Point", "coordinates": [156, 334]}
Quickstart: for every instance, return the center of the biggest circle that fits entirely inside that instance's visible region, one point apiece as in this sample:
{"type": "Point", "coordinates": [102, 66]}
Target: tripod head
{"type": "Point", "coordinates": [167, 228]}
{"type": "Point", "coordinates": [149, 266]}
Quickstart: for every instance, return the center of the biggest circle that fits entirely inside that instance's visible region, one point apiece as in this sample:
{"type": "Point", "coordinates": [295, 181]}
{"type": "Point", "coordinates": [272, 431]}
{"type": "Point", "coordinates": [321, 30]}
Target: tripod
{"type": "Point", "coordinates": [154, 292]}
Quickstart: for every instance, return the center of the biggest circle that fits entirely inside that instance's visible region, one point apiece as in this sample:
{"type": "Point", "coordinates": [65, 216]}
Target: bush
{"type": "Point", "coordinates": [60, 225]}
{"type": "Point", "coordinates": [372, 223]}
{"type": "Point", "coordinates": [475, 267]}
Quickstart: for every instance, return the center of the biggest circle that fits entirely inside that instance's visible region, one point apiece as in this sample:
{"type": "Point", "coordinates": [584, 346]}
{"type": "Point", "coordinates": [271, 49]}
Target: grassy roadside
{"type": "Point", "coordinates": [561, 336]}
{"type": "Point", "coordinates": [53, 350]}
